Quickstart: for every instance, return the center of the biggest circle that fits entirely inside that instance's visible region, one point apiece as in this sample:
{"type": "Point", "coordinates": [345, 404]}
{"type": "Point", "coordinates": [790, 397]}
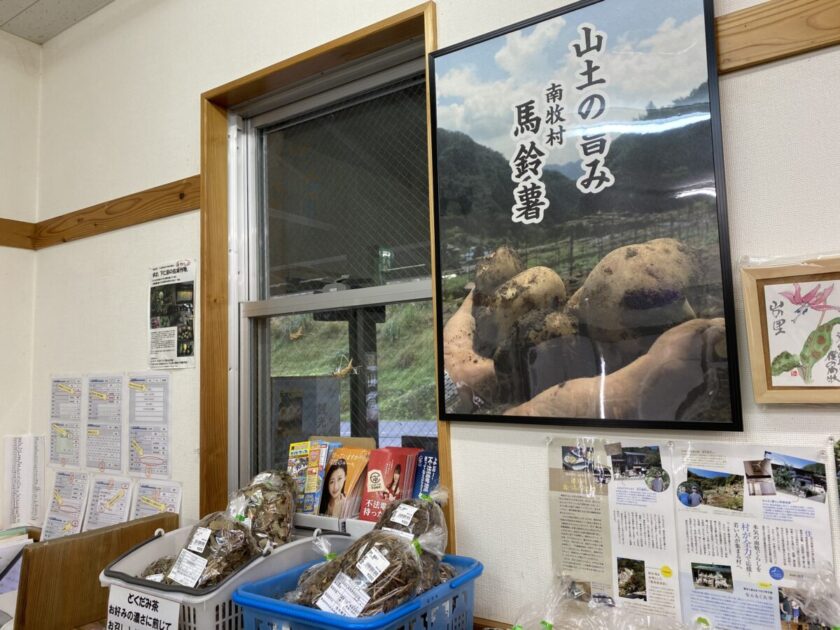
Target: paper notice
{"type": "Point", "coordinates": [65, 421]}
{"type": "Point", "coordinates": [23, 492]}
{"type": "Point", "coordinates": [171, 313]}
{"type": "Point", "coordinates": [153, 497]}
{"type": "Point", "coordinates": [149, 404]}
{"type": "Point", "coordinates": [68, 501]}
{"type": "Point", "coordinates": [104, 434]}
{"type": "Point", "coordinates": [109, 502]}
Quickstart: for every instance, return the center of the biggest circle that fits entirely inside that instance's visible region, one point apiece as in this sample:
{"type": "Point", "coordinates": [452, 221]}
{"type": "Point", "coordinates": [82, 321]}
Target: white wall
{"type": "Point", "coordinates": [91, 305]}
{"type": "Point", "coordinates": [121, 114]}
{"type": "Point", "coordinates": [20, 70]}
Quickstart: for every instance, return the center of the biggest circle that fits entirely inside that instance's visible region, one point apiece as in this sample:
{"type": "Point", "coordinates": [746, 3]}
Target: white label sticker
{"type": "Point", "coordinates": [403, 514]}
{"type": "Point", "coordinates": [199, 539]}
{"type": "Point", "coordinates": [188, 568]}
{"type": "Point", "coordinates": [150, 611]}
{"type": "Point", "coordinates": [372, 565]}
{"type": "Point", "coordinates": [343, 597]}
{"type": "Point", "coordinates": [407, 535]}
{"type": "Point", "coordinates": [157, 577]}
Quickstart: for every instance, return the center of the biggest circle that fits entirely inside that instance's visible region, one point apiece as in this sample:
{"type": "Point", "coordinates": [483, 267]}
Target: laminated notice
{"type": "Point", "coordinates": [403, 514]}
{"type": "Point", "coordinates": [343, 597]}
{"type": "Point", "coordinates": [199, 539]}
{"type": "Point", "coordinates": [188, 568]}
{"type": "Point", "coordinates": [373, 565]}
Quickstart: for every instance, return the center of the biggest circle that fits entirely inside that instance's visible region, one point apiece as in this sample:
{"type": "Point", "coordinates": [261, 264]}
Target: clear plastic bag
{"type": "Point", "coordinates": [421, 520]}
{"type": "Point", "coordinates": [568, 607]}
{"type": "Point", "coordinates": [381, 569]}
{"type": "Point", "coordinates": [225, 543]}
{"type": "Point", "coordinates": [818, 599]}
{"type": "Point", "coordinates": [305, 581]}
{"type": "Point", "coordinates": [267, 506]}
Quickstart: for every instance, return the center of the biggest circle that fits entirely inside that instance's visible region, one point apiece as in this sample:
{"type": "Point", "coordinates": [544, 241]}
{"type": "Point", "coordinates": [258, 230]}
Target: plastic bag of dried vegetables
{"type": "Point", "coordinates": [421, 520]}
{"type": "Point", "coordinates": [267, 506]}
{"type": "Point", "coordinates": [157, 570]}
{"type": "Point", "coordinates": [217, 547]}
{"type": "Point", "coordinates": [377, 573]}
{"type": "Point", "coordinates": [321, 545]}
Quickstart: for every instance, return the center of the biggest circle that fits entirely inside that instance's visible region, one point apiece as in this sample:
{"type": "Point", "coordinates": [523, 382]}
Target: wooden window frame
{"type": "Point", "coordinates": [417, 22]}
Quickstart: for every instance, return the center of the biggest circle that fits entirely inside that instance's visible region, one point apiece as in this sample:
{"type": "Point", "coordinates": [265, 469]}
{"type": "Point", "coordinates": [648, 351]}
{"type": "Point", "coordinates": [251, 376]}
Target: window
{"type": "Point", "coordinates": [335, 330]}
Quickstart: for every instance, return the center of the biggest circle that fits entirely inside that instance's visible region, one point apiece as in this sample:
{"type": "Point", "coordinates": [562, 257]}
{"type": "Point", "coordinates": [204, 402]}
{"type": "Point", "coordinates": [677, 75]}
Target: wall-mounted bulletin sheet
{"type": "Point", "coordinates": [149, 424]}
{"type": "Point", "coordinates": [171, 316]}
{"type": "Point", "coordinates": [695, 531]}
{"type": "Point", "coordinates": [155, 497]}
{"type": "Point", "coordinates": [65, 421]}
{"type": "Point", "coordinates": [109, 502]}
{"type": "Point", "coordinates": [23, 490]}
{"type": "Point", "coordinates": [103, 437]}
{"type": "Point", "coordinates": [68, 501]}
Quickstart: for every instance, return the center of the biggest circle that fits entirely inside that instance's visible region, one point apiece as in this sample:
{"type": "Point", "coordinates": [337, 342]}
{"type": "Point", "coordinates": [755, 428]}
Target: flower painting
{"type": "Point", "coordinates": [803, 333]}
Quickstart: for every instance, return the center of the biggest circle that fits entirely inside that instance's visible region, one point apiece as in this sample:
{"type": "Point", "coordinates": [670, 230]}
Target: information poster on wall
{"type": "Point", "coordinates": [65, 421]}
{"type": "Point", "coordinates": [171, 316]}
{"type": "Point", "coordinates": [68, 502]}
{"type": "Point", "coordinates": [109, 502]}
{"type": "Point", "coordinates": [23, 490]}
{"type": "Point", "coordinates": [149, 408]}
{"type": "Point", "coordinates": [155, 497]}
{"type": "Point", "coordinates": [103, 437]}
{"type": "Point", "coordinates": [717, 533]}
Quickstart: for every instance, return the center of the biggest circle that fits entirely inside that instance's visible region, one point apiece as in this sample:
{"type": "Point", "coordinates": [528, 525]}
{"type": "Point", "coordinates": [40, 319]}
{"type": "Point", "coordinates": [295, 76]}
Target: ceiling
{"type": "Point", "coordinates": [41, 20]}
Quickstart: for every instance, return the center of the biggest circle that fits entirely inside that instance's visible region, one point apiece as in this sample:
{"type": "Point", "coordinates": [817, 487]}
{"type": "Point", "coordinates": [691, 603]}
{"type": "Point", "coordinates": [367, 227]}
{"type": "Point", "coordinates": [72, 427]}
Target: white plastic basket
{"type": "Point", "coordinates": [211, 609]}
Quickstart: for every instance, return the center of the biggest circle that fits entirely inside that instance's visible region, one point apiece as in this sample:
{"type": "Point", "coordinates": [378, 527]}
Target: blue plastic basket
{"type": "Point", "coordinates": [445, 607]}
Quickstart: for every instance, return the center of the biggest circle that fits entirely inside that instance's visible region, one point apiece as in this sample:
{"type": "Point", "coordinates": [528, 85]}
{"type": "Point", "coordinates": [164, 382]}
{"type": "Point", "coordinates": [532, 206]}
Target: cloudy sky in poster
{"type": "Point", "coordinates": [655, 52]}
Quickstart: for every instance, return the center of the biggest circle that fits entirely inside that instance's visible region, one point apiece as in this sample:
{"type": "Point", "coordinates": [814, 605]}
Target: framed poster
{"type": "Point", "coordinates": [582, 255]}
{"type": "Point", "coordinates": [793, 328]}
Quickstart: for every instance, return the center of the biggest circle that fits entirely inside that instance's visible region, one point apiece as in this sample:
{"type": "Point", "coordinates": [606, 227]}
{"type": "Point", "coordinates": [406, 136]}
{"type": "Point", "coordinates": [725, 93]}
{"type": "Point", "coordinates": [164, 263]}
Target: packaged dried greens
{"type": "Point", "coordinates": [157, 570]}
{"type": "Point", "coordinates": [267, 506]}
{"type": "Point", "coordinates": [422, 519]}
{"type": "Point", "coordinates": [305, 581]}
{"type": "Point", "coordinates": [217, 547]}
{"type": "Point", "coordinates": [377, 573]}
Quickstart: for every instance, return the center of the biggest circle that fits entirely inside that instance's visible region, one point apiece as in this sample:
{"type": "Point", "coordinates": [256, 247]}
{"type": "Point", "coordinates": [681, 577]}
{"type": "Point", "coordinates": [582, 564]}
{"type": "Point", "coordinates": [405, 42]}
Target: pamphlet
{"type": "Point", "coordinates": [171, 316]}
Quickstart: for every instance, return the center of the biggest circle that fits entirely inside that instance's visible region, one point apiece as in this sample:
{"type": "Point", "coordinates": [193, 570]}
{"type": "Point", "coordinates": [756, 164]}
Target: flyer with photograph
{"type": "Point", "coordinates": [703, 532]}
{"type": "Point", "coordinates": [171, 316]}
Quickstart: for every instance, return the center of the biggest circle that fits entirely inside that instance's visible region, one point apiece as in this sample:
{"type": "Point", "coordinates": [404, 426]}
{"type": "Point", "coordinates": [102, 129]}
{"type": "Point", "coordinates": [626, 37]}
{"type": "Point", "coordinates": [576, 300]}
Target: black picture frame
{"type": "Point", "coordinates": [450, 390]}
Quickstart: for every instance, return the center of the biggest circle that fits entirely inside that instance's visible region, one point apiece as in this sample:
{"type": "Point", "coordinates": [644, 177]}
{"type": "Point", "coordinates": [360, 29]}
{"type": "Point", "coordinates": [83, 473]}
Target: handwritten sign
{"type": "Point", "coordinates": [131, 610]}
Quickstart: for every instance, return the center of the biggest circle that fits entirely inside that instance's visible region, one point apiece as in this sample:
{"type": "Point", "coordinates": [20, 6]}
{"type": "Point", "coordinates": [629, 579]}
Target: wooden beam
{"type": "Point", "coordinates": [16, 234]}
{"type": "Point", "coordinates": [213, 437]}
{"type": "Point", "coordinates": [393, 30]}
{"type": "Point", "coordinates": [148, 205]}
{"type": "Point", "coordinates": [775, 30]}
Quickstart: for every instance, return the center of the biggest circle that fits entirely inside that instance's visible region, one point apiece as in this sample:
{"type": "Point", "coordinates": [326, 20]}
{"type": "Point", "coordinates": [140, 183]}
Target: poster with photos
{"type": "Point", "coordinates": [580, 224]}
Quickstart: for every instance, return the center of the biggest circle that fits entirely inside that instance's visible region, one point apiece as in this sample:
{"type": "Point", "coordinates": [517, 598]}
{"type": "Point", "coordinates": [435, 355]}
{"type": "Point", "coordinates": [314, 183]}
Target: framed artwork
{"type": "Point", "coordinates": [582, 255]}
{"type": "Point", "coordinates": [793, 328]}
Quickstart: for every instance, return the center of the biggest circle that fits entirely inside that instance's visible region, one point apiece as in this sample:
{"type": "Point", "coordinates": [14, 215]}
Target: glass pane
{"type": "Point", "coordinates": [366, 372]}
{"type": "Point", "coordinates": [346, 194]}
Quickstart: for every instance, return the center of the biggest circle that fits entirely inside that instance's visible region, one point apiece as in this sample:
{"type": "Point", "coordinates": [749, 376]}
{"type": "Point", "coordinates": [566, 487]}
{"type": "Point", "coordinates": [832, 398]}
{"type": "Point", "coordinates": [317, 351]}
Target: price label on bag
{"type": "Point", "coordinates": [403, 514]}
{"type": "Point", "coordinates": [372, 565]}
{"type": "Point", "coordinates": [130, 610]}
{"type": "Point", "coordinates": [188, 568]}
{"type": "Point", "coordinates": [343, 597]}
{"type": "Point", "coordinates": [199, 539]}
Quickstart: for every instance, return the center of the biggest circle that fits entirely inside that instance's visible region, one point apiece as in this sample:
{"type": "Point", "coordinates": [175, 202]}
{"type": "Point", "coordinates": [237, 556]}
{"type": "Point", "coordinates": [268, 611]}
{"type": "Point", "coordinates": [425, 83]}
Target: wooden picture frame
{"type": "Point", "coordinates": [581, 225]}
{"type": "Point", "coordinates": [760, 326]}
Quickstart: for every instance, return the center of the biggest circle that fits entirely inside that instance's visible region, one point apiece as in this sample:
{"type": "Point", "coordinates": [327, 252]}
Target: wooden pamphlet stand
{"type": "Point", "coordinates": [59, 579]}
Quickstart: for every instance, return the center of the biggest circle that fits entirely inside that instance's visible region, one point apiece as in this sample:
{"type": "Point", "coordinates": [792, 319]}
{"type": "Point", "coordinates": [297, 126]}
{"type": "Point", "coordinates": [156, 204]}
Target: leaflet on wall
{"type": "Point", "coordinates": [754, 521]}
{"type": "Point", "coordinates": [23, 489]}
{"type": "Point", "coordinates": [68, 501]}
{"type": "Point", "coordinates": [65, 421]}
{"type": "Point", "coordinates": [149, 405]}
{"type": "Point", "coordinates": [691, 531]}
{"type": "Point", "coordinates": [171, 314]}
{"type": "Point", "coordinates": [103, 437]}
{"type": "Point", "coordinates": [109, 502]}
{"type": "Point", "coordinates": [154, 497]}
{"type": "Point", "coordinates": [613, 521]}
